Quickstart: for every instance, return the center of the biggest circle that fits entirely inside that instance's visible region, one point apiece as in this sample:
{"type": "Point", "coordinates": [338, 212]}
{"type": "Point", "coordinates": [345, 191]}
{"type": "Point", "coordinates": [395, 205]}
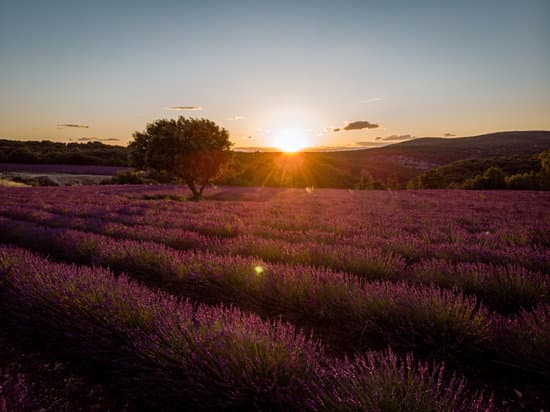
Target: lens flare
{"type": "Point", "coordinates": [259, 270]}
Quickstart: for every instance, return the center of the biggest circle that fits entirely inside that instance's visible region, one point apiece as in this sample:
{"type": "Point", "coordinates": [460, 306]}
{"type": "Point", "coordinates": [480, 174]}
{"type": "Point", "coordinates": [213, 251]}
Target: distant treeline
{"type": "Point", "coordinates": [321, 170]}
{"type": "Point", "coordinates": [91, 153]}
{"type": "Point", "coordinates": [364, 169]}
{"type": "Point", "coordinates": [517, 172]}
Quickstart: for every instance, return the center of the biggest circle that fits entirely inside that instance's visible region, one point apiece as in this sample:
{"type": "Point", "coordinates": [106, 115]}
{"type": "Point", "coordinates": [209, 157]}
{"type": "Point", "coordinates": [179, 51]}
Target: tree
{"type": "Point", "coordinates": [432, 179]}
{"type": "Point", "coordinates": [544, 158]}
{"type": "Point", "coordinates": [195, 151]}
{"type": "Point", "coordinates": [492, 178]}
{"type": "Point", "coordinates": [543, 176]}
{"type": "Point", "coordinates": [522, 181]}
{"type": "Point", "coordinates": [368, 182]}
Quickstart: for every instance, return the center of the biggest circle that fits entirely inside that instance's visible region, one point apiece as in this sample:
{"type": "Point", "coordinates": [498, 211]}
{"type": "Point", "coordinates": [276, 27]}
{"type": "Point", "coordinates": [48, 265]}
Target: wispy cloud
{"type": "Point", "coordinates": [396, 137]}
{"type": "Point", "coordinates": [449, 134]}
{"type": "Point", "coordinates": [97, 139]}
{"type": "Point", "coordinates": [236, 118]}
{"type": "Point", "coordinates": [360, 124]}
{"type": "Point", "coordinates": [368, 144]}
{"type": "Point", "coordinates": [371, 100]}
{"type": "Point", "coordinates": [189, 108]}
{"type": "Point", "coordinates": [255, 149]}
{"type": "Point", "coordinates": [80, 126]}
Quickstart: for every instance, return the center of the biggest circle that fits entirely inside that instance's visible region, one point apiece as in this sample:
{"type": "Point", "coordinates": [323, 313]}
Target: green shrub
{"type": "Point", "coordinates": [523, 181]}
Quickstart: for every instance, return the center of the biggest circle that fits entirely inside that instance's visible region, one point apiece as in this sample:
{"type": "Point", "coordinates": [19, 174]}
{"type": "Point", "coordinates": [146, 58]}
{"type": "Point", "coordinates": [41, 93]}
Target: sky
{"type": "Point", "coordinates": [275, 73]}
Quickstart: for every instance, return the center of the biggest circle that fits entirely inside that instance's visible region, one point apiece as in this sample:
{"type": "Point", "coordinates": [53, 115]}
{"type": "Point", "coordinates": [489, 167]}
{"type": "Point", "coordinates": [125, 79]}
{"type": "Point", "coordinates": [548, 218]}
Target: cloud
{"type": "Point", "coordinates": [189, 108]}
{"type": "Point", "coordinates": [396, 137]}
{"type": "Point", "coordinates": [97, 139]}
{"type": "Point", "coordinates": [255, 149]}
{"type": "Point", "coordinates": [236, 118]}
{"type": "Point", "coordinates": [449, 135]}
{"type": "Point", "coordinates": [80, 126]}
{"type": "Point", "coordinates": [336, 130]}
{"type": "Point", "coordinates": [371, 100]}
{"type": "Point", "coordinates": [368, 144]}
{"type": "Point", "coordinates": [260, 130]}
{"type": "Point", "coordinates": [361, 124]}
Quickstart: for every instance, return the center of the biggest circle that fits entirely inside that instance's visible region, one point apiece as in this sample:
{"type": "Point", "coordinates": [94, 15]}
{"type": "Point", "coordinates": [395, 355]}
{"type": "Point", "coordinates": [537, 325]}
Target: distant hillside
{"type": "Point", "coordinates": [446, 150]}
{"type": "Point", "coordinates": [46, 152]}
{"type": "Point", "coordinates": [394, 163]}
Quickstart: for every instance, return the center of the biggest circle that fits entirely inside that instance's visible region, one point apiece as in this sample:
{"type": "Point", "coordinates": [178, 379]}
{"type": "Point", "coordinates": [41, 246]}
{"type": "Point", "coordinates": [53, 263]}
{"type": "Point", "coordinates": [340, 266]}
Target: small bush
{"type": "Point", "coordinates": [131, 177]}
{"type": "Point", "coordinates": [523, 181]}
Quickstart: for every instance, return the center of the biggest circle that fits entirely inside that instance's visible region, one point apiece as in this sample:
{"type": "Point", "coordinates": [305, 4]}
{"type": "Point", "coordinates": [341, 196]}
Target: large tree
{"type": "Point", "coordinates": [196, 151]}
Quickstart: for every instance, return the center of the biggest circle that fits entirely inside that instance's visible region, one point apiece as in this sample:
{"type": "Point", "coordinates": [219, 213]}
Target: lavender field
{"type": "Point", "coordinates": [274, 299]}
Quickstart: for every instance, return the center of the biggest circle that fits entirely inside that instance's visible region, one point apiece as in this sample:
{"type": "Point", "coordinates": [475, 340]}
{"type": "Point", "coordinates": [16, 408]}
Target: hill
{"type": "Point", "coordinates": [394, 164]}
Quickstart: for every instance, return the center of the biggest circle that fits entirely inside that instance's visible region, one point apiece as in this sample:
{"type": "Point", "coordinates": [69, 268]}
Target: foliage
{"type": "Point", "coordinates": [461, 170]}
{"type": "Point", "coordinates": [523, 181]}
{"type": "Point", "coordinates": [544, 158]}
{"type": "Point", "coordinates": [519, 172]}
{"type": "Point", "coordinates": [432, 180]}
{"type": "Point", "coordinates": [194, 150]}
{"type": "Point", "coordinates": [367, 182]}
{"type": "Point", "coordinates": [544, 175]}
{"type": "Point", "coordinates": [90, 153]}
{"type": "Point", "coordinates": [492, 178]}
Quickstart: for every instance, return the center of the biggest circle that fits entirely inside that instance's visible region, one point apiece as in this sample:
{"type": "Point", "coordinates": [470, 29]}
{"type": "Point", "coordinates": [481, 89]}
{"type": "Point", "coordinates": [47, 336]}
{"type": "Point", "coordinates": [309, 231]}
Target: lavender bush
{"type": "Point", "coordinates": [450, 275]}
{"type": "Point", "coordinates": [214, 358]}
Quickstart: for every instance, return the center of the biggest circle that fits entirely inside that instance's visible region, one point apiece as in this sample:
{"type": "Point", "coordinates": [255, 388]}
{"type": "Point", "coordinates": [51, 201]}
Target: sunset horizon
{"type": "Point", "coordinates": [357, 74]}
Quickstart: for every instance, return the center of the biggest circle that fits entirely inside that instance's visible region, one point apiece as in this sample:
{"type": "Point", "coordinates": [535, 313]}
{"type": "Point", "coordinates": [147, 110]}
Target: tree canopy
{"type": "Point", "coordinates": [195, 151]}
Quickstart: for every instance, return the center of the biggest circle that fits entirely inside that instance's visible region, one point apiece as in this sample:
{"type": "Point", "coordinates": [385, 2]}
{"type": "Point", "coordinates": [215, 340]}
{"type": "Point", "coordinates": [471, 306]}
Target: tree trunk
{"type": "Point", "coordinates": [197, 195]}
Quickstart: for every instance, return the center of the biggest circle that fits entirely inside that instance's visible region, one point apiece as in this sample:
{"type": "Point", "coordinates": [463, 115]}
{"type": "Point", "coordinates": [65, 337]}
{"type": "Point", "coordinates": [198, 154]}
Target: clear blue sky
{"type": "Point", "coordinates": [266, 68]}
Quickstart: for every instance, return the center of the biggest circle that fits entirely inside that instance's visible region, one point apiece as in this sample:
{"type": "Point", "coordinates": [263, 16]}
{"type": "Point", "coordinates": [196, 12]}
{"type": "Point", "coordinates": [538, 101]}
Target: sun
{"type": "Point", "coordinates": [291, 140]}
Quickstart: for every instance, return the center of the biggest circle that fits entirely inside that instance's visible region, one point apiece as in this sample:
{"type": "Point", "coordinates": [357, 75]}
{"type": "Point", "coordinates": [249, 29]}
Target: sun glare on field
{"type": "Point", "coordinates": [291, 140]}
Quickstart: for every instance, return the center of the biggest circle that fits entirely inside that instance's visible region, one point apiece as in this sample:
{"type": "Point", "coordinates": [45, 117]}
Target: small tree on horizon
{"type": "Point", "coordinates": [195, 151]}
{"type": "Point", "coordinates": [368, 182]}
{"type": "Point", "coordinates": [492, 178]}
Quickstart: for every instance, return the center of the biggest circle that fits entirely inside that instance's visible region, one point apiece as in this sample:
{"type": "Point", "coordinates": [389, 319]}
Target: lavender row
{"type": "Point", "coordinates": [346, 312]}
{"type": "Point", "coordinates": [330, 215]}
{"type": "Point", "coordinates": [114, 206]}
{"type": "Point", "coordinates": [505, 288]}
{"type": "Point", "coordinates": [14, 393]}
{"type": "Point", "coordinates": [171, 351]}
{"type": "Point", "coordinates": [369, 263]}
{"type": "Point", "coordinates": [507, 242]}
{"type": "Point", "coordinates": [360, 314]}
